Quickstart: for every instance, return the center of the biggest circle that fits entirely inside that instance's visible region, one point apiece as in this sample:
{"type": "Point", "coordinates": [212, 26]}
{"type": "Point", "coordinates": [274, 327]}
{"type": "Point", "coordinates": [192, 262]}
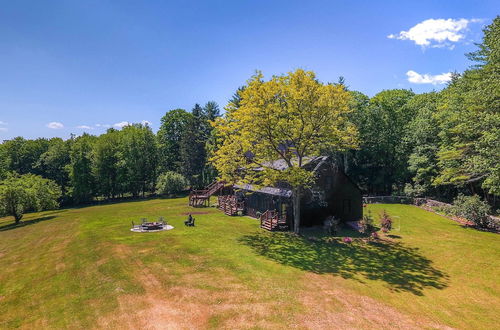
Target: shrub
{"type": "Point", "coordinates": [366, 224]}
{"type": "Point", "coordinates": [171, 183]}
{"type": "Point", "coordinates": [347, 240]}
{"type": "Point", "coordinates": [473, 209]}
{"type": "Point", "coordinates": [385, 221]}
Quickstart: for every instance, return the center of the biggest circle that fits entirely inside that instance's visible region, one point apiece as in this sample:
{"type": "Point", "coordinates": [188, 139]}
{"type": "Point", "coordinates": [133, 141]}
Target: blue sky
{"type": "Point", "coordinates": [65, 65]}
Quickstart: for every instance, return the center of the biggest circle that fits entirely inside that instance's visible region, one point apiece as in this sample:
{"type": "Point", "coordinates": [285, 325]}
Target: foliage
{"type": "Point", "coordinates": [80, 169]}
{"type": "Point", "coordinates": [366, 223]}
{"type": "Point", "coordinates": [28, 192]}
{"type": "Point", "coordinates": [108, 165]}
{"type": "Point", "coordinates": [192, 147]}
{"type": "Point", "coordinates": [171, 183]}
{"type": "Point", "coordinates": [52, 163]}
{"type": "Point", "coordinates": [385, 221]}
{"type": "Point", "coordinates": [422, 143]}
{"type": "Point", "coordinates": [140, 161]}
{"type": "Point", "coordinates": [288, 118]}
{"type": "Point", "coordinates": [381, 161]}
{"type": "Point", "coordinates": [173, 126]}
{"type": "Point", "coordinates": [472, 208]}
{"type": "Point", "coordinates": [469, 118]}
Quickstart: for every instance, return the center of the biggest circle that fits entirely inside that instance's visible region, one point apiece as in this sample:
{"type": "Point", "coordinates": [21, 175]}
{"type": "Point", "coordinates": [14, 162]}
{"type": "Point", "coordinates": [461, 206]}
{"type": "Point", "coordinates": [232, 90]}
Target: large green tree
{"type": "Point", "coordinates": [422, 143]}
{"type": "Point", "coordinates": [22, 155]}
{"type": "Point", "coordinates": [469, 118]}
{"type": "Point", "coordinates": [381, 162]}
{"type": "Point", "coordinates": [289, 118]}
{"type": "Point", "coordinates": [108, 164]}
{"type": "Point", "coordinates": [192, 147]}
{"type": "Point", "coordinates": [28, 192]}
{"type": "Point", "coordinates": [173, 125]}
{"type": "Point", "coordinates": [82, 180]}
{"type": "Point", "coordinates": [139, 158]}
{"type": "Point", "coordinates": [53, 163]}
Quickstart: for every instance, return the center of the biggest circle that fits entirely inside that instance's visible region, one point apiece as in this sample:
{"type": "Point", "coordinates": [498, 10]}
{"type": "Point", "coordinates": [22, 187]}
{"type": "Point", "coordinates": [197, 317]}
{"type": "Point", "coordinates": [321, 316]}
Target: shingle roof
{"type": "Point", "coordinates": [282, 192]}
{"type": "Point", "coordinates": [280, 164]}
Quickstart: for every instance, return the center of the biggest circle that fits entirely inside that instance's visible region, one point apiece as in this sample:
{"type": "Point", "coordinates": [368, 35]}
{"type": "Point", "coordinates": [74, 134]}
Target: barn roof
{"type": "Point", "coordinates": [282, 192]}
{"type": "Point", "coordinates": [280, 164]}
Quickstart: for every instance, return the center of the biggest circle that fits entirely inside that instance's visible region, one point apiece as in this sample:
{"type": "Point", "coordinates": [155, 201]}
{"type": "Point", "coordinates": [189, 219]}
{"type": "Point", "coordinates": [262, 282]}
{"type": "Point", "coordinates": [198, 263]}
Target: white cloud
{"type": "Point", "coordinates": [55, 125]}
{"type": "Point", "coordinates": [84, 127]}
{"type": "Point", "coordinates": [418, 78]}
{"type": "Point", "coordinates": [103, 125]}
{"type": "Point", "coordinates": [121, 124]}
{"type": "Point", "coordinates": [2, 123]}
{"type": "Point", "coordinates": [436, 32]}
{"type": "Point", "coordinates": [145, 122]}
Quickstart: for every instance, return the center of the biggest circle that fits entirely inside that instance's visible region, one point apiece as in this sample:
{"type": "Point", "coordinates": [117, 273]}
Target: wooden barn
{"type": "Point", "coordinates": [332, 193]}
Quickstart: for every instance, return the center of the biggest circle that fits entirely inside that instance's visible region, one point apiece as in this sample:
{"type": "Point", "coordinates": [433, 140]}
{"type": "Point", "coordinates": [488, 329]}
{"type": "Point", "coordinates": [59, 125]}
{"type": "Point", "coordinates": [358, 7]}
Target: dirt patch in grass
{"type": "Point", "coordinates": [157, 308]}
{"type": "Point", "coordinates": [194, 303]}
{"type": "Point", "coordinates": [331, 307]}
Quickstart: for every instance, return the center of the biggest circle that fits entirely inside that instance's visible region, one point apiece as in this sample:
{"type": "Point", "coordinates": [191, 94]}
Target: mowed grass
{"type": "Point", "coordinates": [83, 268]}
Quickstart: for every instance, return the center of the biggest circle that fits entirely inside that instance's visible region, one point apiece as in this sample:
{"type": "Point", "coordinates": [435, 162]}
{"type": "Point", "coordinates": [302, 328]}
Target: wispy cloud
{"type": "Point", "coordinates": [103, 125]}
{"type": "Point", "coordinates": [2, 123]}
{"type": "Point", "coordinates": [84, 127]}
{"type": "Point", "coordinates": [121, 124]}
{"type": "Point", "coordinates": [55, 125]}
{"type": "Point", "coordinates": [436, 32]}
{"type": "Point", "coordinates": [418, 78]}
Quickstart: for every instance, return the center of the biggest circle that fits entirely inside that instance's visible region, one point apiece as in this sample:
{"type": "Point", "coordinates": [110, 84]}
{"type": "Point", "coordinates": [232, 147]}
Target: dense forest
{"type": "Point", "coordinates": [438, 144]}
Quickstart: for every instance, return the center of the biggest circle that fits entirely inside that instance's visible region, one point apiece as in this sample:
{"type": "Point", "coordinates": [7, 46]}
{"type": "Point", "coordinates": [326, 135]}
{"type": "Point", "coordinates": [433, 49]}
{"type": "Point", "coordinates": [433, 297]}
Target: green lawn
{"type": "Point", "coordinates": [83, 268]}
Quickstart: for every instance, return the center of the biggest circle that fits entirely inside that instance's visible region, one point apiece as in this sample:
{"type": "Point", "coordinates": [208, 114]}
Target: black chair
{"type": "Point", "coordinates": [189, 222]}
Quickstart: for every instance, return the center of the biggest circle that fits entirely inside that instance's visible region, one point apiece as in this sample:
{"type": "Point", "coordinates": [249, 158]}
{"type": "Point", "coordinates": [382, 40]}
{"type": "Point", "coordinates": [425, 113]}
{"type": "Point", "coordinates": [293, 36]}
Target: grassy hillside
{"type": "Point", "coordinates": [82, 267]}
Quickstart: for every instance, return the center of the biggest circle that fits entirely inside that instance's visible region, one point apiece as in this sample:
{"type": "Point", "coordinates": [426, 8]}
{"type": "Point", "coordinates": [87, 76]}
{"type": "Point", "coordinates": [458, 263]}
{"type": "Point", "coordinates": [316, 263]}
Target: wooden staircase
{"type": "Point", "coordinates": [272, 221]}
{"type": "Point", "coordinates": [198, 198]}
{"type": "Point", "coordinates": [230, 205]}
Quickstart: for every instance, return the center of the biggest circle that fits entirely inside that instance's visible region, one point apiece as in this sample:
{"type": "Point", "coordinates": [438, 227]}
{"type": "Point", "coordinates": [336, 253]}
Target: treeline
{"type": "Point", "coordinates": [126, 162]}
{"type": "Point", "coordinates": [436, 144]}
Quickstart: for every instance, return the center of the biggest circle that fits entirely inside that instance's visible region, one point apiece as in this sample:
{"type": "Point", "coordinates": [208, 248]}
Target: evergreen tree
{"type": "Point", "coordinates": [192, 148]}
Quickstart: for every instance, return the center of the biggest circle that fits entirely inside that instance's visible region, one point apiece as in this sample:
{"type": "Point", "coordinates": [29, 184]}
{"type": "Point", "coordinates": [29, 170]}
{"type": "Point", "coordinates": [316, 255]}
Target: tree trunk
{"type": "Point", "coordinates": [297, 192]}
{"type": "Point", "coordinates": [18, 216]}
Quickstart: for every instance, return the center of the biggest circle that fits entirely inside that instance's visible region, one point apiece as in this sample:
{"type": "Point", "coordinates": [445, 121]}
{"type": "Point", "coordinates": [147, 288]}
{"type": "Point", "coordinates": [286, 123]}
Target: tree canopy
{"type": "Point", "coordinates": [290, 117]}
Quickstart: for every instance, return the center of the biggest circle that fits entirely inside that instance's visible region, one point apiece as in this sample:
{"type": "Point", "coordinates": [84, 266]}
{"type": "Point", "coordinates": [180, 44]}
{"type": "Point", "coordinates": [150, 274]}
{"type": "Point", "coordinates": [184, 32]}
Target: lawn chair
{"type": "Point", "coordinates": [190, 221]}
{"type": "Point", "coordinates": [162, 221]}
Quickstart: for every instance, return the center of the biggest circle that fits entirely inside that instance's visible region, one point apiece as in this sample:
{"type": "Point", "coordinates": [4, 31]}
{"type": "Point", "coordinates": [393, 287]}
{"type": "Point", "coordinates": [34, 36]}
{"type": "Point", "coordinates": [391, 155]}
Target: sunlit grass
{"type": "Point", "coordinates": [82, 267]}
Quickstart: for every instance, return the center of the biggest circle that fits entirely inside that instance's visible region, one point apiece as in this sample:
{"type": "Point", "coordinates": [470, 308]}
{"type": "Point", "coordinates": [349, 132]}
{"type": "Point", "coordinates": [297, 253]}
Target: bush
{"type": "Point", "coordinates": [171, 183]}
{"type": "Point", "coordinates": [385, 221]}
{"type": "Point", "coordinates": [347, 240]}
{"type": "Point", "coordinates": [473, 209]}
{"type": "Point", "coordinates": [366, 224]}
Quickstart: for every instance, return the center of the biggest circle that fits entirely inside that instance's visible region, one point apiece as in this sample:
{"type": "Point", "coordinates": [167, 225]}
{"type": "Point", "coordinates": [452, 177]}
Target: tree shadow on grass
{"type": "Point", "coordinates": [13, 225]}
{"type": "Point", "coordinates": [401, 267]}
